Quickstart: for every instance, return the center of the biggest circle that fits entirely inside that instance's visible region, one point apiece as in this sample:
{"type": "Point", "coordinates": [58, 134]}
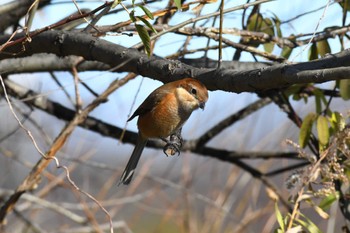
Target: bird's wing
{"type": "Point", "coordinates": [152, 100]}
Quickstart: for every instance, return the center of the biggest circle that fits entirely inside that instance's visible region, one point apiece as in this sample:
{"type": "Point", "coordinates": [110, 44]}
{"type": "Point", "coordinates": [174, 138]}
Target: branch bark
{"type": "Point", "coordinates": [332, 67]}
{"type": "Point", "coordinates": [49, 62]}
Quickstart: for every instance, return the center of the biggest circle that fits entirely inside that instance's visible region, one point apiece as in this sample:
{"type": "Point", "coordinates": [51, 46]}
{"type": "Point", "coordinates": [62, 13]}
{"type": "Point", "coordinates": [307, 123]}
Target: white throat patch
{"type": "Point", "coordinates": [187, 101]}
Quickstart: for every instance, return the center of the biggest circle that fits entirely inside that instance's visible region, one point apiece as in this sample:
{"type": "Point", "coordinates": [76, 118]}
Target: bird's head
{"type": "Point", "coordinates": [192, 94]}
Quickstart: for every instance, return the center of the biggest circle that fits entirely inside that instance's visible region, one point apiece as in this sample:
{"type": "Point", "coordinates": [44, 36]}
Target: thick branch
{"type": "Point", "coordinates": [204, 62]}
{"type": "Point", "coordinates": [49, 62]}
{"type": "Point", "coordinates": [332, 67]}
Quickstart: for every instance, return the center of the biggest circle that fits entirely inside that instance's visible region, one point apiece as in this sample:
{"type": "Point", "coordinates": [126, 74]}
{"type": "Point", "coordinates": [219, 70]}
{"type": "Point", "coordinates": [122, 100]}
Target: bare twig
{"type": "Point", "coordinates": [247, 48]}
{"type": "Point", "coordinates": [47, 204]}
{"type": "Point", "coordinates": [78, 101]}
{"type": "Point", "coordinates": [180, 25]}
{"type": "Point", "coordinates": [31, 181]}
{"type": "Point", "coordinates": [220, 32]}
{"type": "Point", "coordinates": [305, 183]}
{"type": "Point", "coordinates": [314, 33]}
{"type": "Point", "coordinates": [55, 25]}
{"type": "Point", "coordinates": [219, 127]}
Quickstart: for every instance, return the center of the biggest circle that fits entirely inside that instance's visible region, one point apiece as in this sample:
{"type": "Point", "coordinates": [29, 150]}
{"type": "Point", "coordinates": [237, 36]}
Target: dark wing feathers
{"type": "Point", "coordinates": [152, 100]}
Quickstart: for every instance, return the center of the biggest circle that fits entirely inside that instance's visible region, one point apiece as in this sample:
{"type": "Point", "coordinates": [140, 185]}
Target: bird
{"type": "Point", "coordinates": [162, 114]}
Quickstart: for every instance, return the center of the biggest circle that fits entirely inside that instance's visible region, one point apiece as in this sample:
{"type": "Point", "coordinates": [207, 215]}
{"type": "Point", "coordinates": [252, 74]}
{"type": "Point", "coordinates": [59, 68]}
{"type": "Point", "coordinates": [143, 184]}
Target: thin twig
{"type": "Point", "coordinates": [78, 101]}
{"type": "Point", "coordinates": [219, 127]}
{"type": "Point", "coordinates": [305, 183]}
{"type": "Point", "coordinates": [314, 33]}
{"type": "Point", "coordinates": [180, 25]}
{"type": "Point", "coordinates": [131, 108]}
{"type": "Point", "coordinates": [47, 204]}
{"type": "Point", "coordinates": [220, 32]}
{"type": "Point", "coordinates": [53, 76]}
{"type": "Point", "coordinates": [20, 122]}
{"type": "Point", "coordinates": [32, 179]}
{"type": "Point", "coordinates": [52, 26]}
{"type": "Point", "coordinates": [26, 117]}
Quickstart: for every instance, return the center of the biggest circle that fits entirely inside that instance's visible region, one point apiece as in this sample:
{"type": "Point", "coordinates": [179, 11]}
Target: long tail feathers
{"type": "Point", "coordinates": [134, 159]}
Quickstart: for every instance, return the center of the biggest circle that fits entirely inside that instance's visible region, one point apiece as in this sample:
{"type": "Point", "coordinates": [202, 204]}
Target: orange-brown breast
{"type": "Point", "coordinates": [162, 120]}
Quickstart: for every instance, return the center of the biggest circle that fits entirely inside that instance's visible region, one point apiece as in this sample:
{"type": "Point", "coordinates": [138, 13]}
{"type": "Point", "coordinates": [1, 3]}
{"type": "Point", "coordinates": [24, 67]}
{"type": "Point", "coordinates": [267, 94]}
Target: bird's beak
{"type": "Point", "coordinates": [202, 105]}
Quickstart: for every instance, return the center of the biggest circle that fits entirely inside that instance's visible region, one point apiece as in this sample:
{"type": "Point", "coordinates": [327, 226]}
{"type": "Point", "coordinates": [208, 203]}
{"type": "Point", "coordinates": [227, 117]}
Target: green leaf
{"type": "Point", "coordinates": [254, 22]}
{"type": "Point", "coordinates": [286, 51]}
{"type": "Point", "coordinates": [277, 22]}
{"type": "Point", "coordinates": [143, 33]}
{"type": "Point", "coordinates": [319, 98]}
{"type": "Point", "coordinates": [30, 15]}
{"type": "Point", "coordinates": [279, 217]}
{"type": "Point", "coordinates": [308, 224]}
{"type": "Point", "coordinates": [328, 201]}
{"type": "Point", "coordinates": [313, 52]}
{"type": "Point", "coordinates": [305, 129]}
{"type": "Point", "coordinates": [345, 4]}
{"type": "Point", "coordinates": [267, 27]}
{"type": "Point", "coordinates": [318, 210]}
{"type": "Point", "coordinates": [178, 4]}
{"type": "Point", "coordinates": [269, 47]}
{"type": "Point", "coordinates": [344, 89]}
{"type": "Point", "coordinates": [294, 89]}
{"type": "Point", "coordinates": [323, 130]}
{"type": "Point", "coordinates": [337, 121]}
{"type": "Point", "coordinates": [147, 23]}
{"type": "Point", "coordinates": [147, 12]}
{"type": "Point", "coordinates": [132, 16]}
{"type": "Point", "coordinates": [321, 212]}
{"type": "Point", "coordinates": [323, 48]}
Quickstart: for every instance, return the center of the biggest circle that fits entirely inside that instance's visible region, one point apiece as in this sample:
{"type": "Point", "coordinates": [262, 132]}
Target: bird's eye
{"type": "Point", "coordinates": [193, 91]}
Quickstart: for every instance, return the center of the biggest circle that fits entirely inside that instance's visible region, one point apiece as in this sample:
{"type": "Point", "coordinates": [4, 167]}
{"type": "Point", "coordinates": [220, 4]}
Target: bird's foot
{"type": "Point", "coordinates": [173, 146]}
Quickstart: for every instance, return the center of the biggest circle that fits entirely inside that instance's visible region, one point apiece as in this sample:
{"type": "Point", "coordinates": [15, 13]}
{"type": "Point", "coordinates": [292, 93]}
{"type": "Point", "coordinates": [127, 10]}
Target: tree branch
{"type": "Point", "coordinates": [219, 127]}
{"type": "Point", "coordinates": [42, 62]}
{"type": "Point", "coordinates": [47, 62]}
{"type": "Point", "coordinates": [332, 67]}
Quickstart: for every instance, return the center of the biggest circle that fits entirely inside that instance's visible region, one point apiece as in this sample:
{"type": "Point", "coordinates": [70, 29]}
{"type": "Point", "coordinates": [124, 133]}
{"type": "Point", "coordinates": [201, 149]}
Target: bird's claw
{"type": "Point", "coordinates": [173, 146]}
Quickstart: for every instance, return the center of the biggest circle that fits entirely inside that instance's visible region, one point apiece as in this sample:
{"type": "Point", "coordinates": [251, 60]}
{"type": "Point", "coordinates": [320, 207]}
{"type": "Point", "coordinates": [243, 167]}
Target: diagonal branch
{"type": "Point", "coordinates": [219, 127]}
{"type": "Point", "coordinates": [33, 178]}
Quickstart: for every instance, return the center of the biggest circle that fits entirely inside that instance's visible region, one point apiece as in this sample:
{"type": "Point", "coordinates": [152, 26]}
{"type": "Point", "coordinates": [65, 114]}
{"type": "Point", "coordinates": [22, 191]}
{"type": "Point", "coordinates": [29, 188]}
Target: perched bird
{"type": "Point", "coordinates": [163, 113]}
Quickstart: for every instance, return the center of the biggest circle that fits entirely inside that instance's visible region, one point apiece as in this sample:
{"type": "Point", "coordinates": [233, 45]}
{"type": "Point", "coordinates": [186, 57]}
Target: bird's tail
{"type": "Point", "coordinates": [134, 159]}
